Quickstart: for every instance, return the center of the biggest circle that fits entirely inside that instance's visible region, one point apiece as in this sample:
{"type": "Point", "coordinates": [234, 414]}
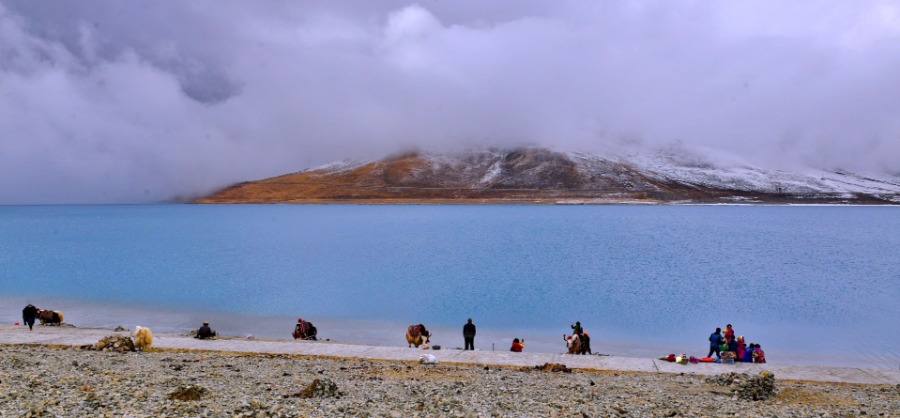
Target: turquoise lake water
{"type": "Point", "coordinates": [811, 284]}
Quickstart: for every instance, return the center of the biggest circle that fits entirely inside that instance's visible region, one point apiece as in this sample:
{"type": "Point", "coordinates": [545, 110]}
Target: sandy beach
{"type": "Point", "coordinates": [46, 373]}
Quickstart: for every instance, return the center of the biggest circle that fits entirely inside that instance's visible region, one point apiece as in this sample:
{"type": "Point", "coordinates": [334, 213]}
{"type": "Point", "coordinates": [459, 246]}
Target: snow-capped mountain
{"type": "Point", "coordinates": [540, 175]}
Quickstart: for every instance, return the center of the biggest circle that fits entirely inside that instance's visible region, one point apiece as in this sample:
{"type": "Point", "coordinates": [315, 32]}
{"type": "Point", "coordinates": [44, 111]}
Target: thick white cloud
{"type": "Point", "coordinates": [135, 101]}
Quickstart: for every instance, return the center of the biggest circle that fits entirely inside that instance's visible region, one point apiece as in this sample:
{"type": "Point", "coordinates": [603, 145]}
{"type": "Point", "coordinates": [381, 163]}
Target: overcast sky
{"type": "Point", "coordinates": [143, 101]}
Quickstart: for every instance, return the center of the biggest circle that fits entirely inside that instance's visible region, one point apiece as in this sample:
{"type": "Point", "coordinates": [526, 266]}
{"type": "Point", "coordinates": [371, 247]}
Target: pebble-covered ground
{"type": "Point", "coordinates": [45, 381]}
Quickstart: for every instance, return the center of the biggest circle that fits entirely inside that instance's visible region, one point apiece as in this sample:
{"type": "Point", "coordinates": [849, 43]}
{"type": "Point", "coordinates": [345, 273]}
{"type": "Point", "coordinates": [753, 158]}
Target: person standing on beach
{"type": "Point", "coordinates": [715, 339]}
{"type": "Point", "coordinates": [469, 335]}
{"type": "Point", "coordinates": [28, 315]}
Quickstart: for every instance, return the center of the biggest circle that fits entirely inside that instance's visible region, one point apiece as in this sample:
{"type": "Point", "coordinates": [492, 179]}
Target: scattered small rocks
{"type": "Point", "coordinates": [745, 386]}
{"type": "Point", "coordinates": [253, 409]}
{"type": "Point", "coordinates": [117, 343]}
{"type": "Point", "coordinates": [212, 384]}
{"type": "Point", "coordinates": [554, 367]}
{"type": "Point", "coordinates": [120, 328]}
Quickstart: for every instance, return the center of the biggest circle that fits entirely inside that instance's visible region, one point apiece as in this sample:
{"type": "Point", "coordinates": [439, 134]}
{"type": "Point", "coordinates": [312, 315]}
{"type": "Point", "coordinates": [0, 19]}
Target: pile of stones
{"type": "Point", "coordinates": [554, 367]}
{"type": "Point", "coordinates": [745, 386]}
{"type": "Point", "coordinates": [192, 393]}
{"type": "Point", "coordinates": [319, 388]}
{"type": "Point", "coordinates": [117, 343]}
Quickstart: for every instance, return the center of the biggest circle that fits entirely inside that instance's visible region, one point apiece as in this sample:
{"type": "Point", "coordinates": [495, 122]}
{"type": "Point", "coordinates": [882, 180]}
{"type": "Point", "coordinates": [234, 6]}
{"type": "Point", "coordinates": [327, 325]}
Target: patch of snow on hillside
{"type": "Point", "coordinates": [338, 167]}
{"type": "Point", "coordinates": [732, 173]}
{"type": "Point", "coordinates": [493, 172]}
{"type": "Point", "coordinates": [697, 167]}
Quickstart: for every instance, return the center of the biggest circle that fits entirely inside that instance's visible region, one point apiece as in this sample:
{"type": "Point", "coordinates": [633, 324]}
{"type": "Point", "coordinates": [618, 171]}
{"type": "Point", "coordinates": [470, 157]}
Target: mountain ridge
{"type": "Point", "coordinates": [541, 175]}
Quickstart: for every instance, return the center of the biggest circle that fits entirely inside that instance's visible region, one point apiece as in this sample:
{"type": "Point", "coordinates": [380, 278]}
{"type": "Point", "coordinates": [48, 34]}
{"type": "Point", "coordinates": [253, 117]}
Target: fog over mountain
{"type": "Point", "coordinates": [105, 102]}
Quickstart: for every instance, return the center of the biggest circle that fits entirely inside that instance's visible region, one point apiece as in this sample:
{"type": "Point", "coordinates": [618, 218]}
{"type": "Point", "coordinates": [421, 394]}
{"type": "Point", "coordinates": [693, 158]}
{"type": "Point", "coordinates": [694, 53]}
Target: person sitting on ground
{"type": "Point", "coordinates": [733, 346]}
{"type": "Point", "coordinates": [748, 354]}
{"type": "Point", "coordinates": [585, 343]}
{"type": "Point", "coordinates": [304, 330]}
{"type": "Point", "coordinates": [517, 346]}
{"type": "Point", "coordinates": [741, 348]}
{"type": "Point", "coordinates": [205, 332]}
{"type": "Point", "coordinates": [715, 340]}
{"type": "Point", "coordinates": [28, 315]}
{"type": "Point", "coordinates": [311, 332]}
{"type": "Point", "coordinates": [759, 356]}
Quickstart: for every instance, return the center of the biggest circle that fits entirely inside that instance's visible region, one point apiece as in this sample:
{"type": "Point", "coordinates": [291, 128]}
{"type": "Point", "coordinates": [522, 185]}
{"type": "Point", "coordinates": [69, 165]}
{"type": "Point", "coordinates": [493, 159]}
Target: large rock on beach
{"type": "Point", "coordinates": [319, 388]}
{"type": "Point", "coordinates": [554, 367]}
{"type": "Point", "coordinates": [193, 393]}
{"type": "Point", "coordinates": [117, 343]}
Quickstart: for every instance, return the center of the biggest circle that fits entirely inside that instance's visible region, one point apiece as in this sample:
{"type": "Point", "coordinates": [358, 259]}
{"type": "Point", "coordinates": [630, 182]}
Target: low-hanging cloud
{"type": "Point", "coordinates": [142, 102]}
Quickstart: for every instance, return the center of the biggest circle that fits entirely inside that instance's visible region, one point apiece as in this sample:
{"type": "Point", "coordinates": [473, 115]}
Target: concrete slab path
{"type": "Point", "coordinates": [64, 336]}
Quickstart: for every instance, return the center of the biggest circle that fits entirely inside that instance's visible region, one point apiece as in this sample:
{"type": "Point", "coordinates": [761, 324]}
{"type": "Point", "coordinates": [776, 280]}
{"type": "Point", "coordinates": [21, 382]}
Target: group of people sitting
{"type": "Point", "coordinates": [728, 347]}
{"type": "Point", "coordinates": [304, 330]}
{"type": "Point", "coordinates": [578, 343]}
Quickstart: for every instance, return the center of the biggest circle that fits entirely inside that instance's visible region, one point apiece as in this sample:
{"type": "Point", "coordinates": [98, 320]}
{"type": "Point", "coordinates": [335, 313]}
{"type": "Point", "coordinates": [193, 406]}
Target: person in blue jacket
{"type": "Point", "coordinates": [748, 354]}
{"type": "Point", "coordinates": [715, 340]}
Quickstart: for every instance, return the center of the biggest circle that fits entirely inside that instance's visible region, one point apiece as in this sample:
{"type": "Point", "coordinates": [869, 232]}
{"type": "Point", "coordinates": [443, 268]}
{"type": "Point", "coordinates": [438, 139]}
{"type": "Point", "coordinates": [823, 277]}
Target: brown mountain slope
{"type": "Point", "coordinates": [525, 175]}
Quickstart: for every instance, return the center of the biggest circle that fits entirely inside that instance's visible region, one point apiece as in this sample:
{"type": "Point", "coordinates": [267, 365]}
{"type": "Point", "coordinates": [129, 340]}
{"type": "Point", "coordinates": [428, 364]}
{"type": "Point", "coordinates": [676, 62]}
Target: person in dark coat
{"type": "Point", "coordinates": [205, 332]}
{"type": "Point", "coordinates": [469, 335]}
{"type": "Point", "coordinates": [732, 345]}
{"type": "Point", "coordinates": [577, 329]}
{"type": "Point", "coordinates": [311, 332]}
{"type": "Point", "coordinates": [28, 315]}
{"type": "Point", "coordinates": [715, 340]}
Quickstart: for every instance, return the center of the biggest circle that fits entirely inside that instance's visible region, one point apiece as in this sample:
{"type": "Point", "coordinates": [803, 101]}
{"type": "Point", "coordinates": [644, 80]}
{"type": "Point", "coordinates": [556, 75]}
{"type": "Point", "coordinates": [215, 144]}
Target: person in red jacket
{"type": "Point", "coordinates": [759, 356]}
{"type": "Point", "coordinates": [729, 333]}
{"type": "Point", "coordinates": [741, 348]}
{"type": "Point", "coordinates": [517, 346]}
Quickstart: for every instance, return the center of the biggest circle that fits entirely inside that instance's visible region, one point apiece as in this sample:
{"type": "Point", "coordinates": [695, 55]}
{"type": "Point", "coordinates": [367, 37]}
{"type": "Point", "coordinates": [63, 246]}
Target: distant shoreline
{"type": "Point", "coordinates": [98, 317]}
{"type": "Point", "coordinates": [54, 336]}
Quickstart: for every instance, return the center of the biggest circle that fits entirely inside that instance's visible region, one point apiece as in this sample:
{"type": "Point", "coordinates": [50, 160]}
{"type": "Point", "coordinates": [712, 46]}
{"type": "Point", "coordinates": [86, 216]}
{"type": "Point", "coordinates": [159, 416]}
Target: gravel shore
{"type": "Point", "coordinates": [47, 381]}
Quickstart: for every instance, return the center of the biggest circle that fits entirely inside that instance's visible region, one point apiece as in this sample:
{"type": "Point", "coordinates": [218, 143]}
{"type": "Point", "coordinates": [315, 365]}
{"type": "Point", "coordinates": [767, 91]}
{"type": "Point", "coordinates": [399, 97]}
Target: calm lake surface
{"type": "Point", "coordinates": [811, 284]}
